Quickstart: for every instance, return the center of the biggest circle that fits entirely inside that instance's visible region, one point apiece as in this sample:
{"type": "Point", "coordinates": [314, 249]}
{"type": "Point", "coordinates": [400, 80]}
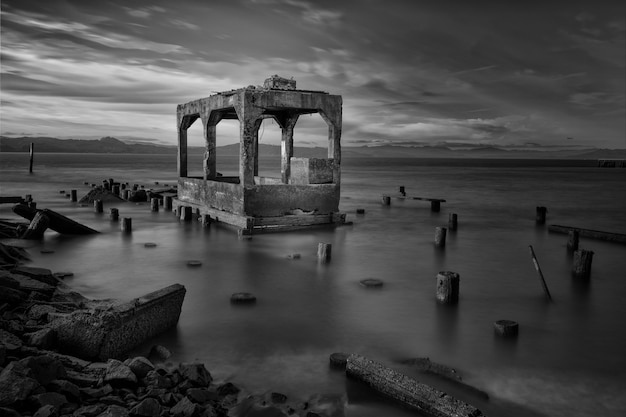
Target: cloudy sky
{"type": "Point", "coordinates": [518, 74]}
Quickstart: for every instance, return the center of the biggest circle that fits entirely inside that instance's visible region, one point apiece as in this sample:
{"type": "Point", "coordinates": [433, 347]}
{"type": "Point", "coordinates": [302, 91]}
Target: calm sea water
{"type": "Point", "coordinates": [567, 361]}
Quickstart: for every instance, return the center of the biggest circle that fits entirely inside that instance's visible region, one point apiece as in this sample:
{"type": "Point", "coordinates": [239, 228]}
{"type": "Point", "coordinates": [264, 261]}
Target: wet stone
{"type": "Point", "coordinates": [119, 373]}
{"type": "Point", "coordinates": [242, 298]}
{"type": "Point", "coordinates": [339, 359]}
{"type": "Point", "coordinates": [140, 366]}
{"type": "Point", "coordinates": [371, 283]}
{"type": "Point", "coordinates": [194, 263]}
{"type": "Point", "coordinates": [147, 408]}
{"type": "Point", "coordinates": [195, 373]}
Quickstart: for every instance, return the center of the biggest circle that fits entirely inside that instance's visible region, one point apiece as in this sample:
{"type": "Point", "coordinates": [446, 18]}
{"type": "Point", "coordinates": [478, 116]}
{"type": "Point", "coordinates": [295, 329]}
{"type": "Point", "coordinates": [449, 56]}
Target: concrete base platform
{"type": "Point", "coordinates": [248, 225]}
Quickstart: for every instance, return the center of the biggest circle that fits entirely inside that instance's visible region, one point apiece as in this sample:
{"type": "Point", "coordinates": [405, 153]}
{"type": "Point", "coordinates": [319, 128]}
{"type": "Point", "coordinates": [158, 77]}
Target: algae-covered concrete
{"type": "Point", "coordinates": [109, 332]}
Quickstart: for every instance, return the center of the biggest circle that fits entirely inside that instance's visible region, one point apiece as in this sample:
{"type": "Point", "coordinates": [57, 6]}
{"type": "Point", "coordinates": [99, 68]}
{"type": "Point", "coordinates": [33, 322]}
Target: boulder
{"type": "Point", "coordinates": [46, 411]}
{"type": "Point", "coordinates": [200, 395]}
{"type": "Point", "coordinates": [195, 373]}
{"type": "Point", "coordinates": [114, 411]}
{"type": "Point", "coordinates": [9, 341]}
{"type": "Point", "coordinates": [43, 338]}
{"type": "Point", "coordinates": [54, 399]}
{"type": "Point", "coordinates": [149, 407]}
{"type": "Point", "coordinates": [227, 389]}
{"type": "Point", "coordinates": [159, 353]}
{"type": "Point", "coordinates": [44, 368]}
{"type": "Point", "coordinates": [140, 366]}
{"type": "Point", "coordinates": [118, 373]}
{"type": "Point", "coordinates": [97, 392]}
{"type": "Point", "coordinates": [16, 383]}
{"type": "Point", "coordinates": [89, 410]}
{"type": "Point", "coordinates": [185, 408]}
{"type": "Point", "coordinates": [64, 387]}
{"type": "Point", "coordinates": [40, 311]}
{"type": "Point", "coordinates": [39, 274]}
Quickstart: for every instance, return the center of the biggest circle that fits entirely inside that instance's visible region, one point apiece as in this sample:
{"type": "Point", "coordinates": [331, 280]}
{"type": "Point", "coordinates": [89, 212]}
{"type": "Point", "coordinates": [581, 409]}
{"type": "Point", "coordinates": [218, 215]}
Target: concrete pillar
{"type": "Point", "coordinates": [324, 251]}
{"type": "Point", "coordinates": [256, 146]}
{"type": "Point", "coordinates": [154, 204]}
{"type": "Point", "coordinates": [114, 214]}
{"type": "Point", "coordinates": [182, 148]}
{"type": "Point", "coordinates": [248, 114]}
{"type": "Point", "coordinates": [74, 196]}
{"type": "Point", "coordinates": [331, 113]}
{"type": "Point", "coordinates": [98, 206]}
{"type": "Point", "coordinates": [440, 237]}
{"type": "Point", "coordinates": [448, 287]}
{"type": "Point", "coordinates": [167, 202]}
{"type": "Point", "coordinates": [210, 157]}
{"type": "Point", "coordinates": [286, 145]}
{"type": "Point", "coordinates": [127, 225]}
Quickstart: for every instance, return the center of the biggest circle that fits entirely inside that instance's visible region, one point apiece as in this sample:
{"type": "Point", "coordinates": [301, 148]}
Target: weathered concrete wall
{"type": "Point", "coordinates": [280, 199]}
{"type": "Point", "coordinates": [413, 394]}
{"type": "Point", "coordinates": [219, 195]}
{"type": "Point", "coordinates": [103, 334]}
{"type": "Point", "coordinates": [311, 171]}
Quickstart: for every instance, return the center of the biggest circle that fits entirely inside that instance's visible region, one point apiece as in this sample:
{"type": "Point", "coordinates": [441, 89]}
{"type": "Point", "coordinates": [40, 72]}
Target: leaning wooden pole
{"type": "Point", "coordinates": [32, 154]}
{"type": "Point", "coordinates": [543, 281]}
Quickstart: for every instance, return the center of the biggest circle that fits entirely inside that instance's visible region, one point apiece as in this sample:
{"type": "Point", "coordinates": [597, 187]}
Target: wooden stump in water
{"type": "Point", "coordinates": [582, 263]}
{"type": "Point", "coordinates": [506, 328]}
{"type": "Point", "coordinates": [440, 237]}
{"type": "Point", "coordinates": [435, 206]}
{"type": "Point", "coordinates": [541, 215]}
{"type": "Point", "coordinates": [98, 206]}
{"type": "Point", "coordinates": [114, 214]}
{"type": "Point", "coordinates": [452, 221]}
{"type": "Point", "coordinates": [167, 203]}
{"type": "Point", "coordinates": [402, 190]}
{"type": "Point", "coordinates": [386, 200]}
{"type": "Point", "coordinates": [360, 211]}
{"type": "Point", "coordinates": [572, 240]}
{"type": "Point", "coordinates": [448, 287]}
{"type": "Point", "coordinates": [125, 194]}
{"type": "Point", "coordinates": [116, 189]}
{"type": "Point", "coordinates": [206, 221]}
{"type": "Point", "coordinates": [339, 360]}
{"type": "Point", "coordinates": [324, 252]}
{"type": "Point", "coordinates": [242, 298]}
{"type": "Point", "coordinates": [154, 204]}
{"type": "Point", "coordinates": [186, 213]}
{"type": "Point", "coordinates": [127, 225]}
{"type": "Point", "coordinates": [73, 196]}
{"type": "Point", "coordinates": [37, 226]}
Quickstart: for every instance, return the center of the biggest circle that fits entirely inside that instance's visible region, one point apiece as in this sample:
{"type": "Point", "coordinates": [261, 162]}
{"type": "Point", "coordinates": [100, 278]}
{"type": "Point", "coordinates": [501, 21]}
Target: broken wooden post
{"type": "Point", "coordinates": [506, 328]}
{"type": "Point", "coordinates": [186, 213]}
{"type": "Point", "coordinates": [37, 226]}
{"type": "Point", "coordinates": [32, 155]}
{"type": "Point", "coordinates": [127, 225]}
{"type": "Point", "coordinates": [541, 215]}
{"type": "Point", "coordinates": [386, 200]}
{"type": "Point", "coordinates": [324, 252]}
{"type": "Point", "coordinates": [448, 287]}
{"type": "Point", "coordinates": [435, 206]}
{"type": "Point", "coordinates": [402, 191]}
{"type": "Point", "coordinates": [543, 281]}
{"type": "Point", "coordinates": [98, 206]}
{"type": "Point", "coordinates": [114, 214]}
{"type": "Point", "coordinates": [582, 263]}
{"type": "Point", "coordinates": [572, 240]}
{"type": "Point", "coordinates": [167, 204]}
{"type": "Point", "coordinates": [452, 221]}
{"type": "Point", "coordinates": [116, 189]}
{"type": "Point", "coordinates": [440, 237]}
{"type": "Point", "coordinates": [125, 194]}
{"type": "Point", "coordinates": [206, 221]}
{"type": "Point", "coordinates": [154, 204]}
{"type": "Point", "coordinates": [73, 196]}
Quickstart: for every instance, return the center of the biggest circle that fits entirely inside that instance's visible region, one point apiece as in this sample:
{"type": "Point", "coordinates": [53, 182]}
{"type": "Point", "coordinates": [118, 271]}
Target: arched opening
{"type": "Point", "coordinates": [270, 135]}
{"type": "Point", "coordinates": [310, 137]}
{"type": "Point", "coordinates": [227, 147]}
{"type": "Point", "coordinates": [195, 148]}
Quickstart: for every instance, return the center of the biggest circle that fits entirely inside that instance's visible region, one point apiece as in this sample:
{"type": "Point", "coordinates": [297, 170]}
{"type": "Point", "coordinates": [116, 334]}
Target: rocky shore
{"type": "Point", "coordinates": [38, 378]}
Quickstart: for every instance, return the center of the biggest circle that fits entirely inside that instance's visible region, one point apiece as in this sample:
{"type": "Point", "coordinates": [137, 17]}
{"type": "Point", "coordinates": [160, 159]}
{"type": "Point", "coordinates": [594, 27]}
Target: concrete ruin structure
{"type": "Point", "coordinates": [306, 194]}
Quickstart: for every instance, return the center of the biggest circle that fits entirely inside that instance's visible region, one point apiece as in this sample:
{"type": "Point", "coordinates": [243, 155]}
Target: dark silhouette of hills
{"type": "Point", "coordinates": [114, 145]}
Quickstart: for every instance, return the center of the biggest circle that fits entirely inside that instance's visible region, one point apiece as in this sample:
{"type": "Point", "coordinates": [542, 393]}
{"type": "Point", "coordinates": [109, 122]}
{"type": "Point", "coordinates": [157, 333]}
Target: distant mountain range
{"type": "Point", "coordinates": [113, 145]}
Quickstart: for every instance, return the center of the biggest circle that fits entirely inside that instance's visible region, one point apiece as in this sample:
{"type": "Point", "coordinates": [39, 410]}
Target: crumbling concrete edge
{"type": "Point", "coordinates": [104, 334]}
{"type": "Point", "coordinates": [406, 390]}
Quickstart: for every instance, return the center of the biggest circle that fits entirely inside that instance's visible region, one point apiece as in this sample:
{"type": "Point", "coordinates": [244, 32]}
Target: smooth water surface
{"type": "Point", "coordinates": [567, 361]}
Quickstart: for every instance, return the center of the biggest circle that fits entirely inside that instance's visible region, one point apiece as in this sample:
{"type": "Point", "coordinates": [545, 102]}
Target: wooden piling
{"type": "Point", "coordinates": [452, 221]}
{"type": "Point", "coordinates": [440, 237]}
{"type": "Point", "coordinates": [572, 240]}
{"type": "Point", "coordinates": [98, 206]}
{"type": "Point", "coordinates": [324, 251]}
{"type": "Point", "coordinates": [116, 189]}
{"type": "Point", "coordinates": [506, 328]}
{"type": "Point", "coordinates": [402, 190]}
{"type": "Point", "coordinates": [186, 213]}
{"type": "Point", "coordinates": [73, 196]}
{"type": "Point", "coordinates": [32, 157]}
{"type": "Point", "coordinates": [167, 202]}
{"type": "Point", "coordinates": [37, 226]}
{"type": "Point", "coordinates": [541, 215]}
{"type": "Point", "coordinates": [448, 287]}
{"type": "Point", "coordinates": [125, 194]}
{"type": "Point", "coordinates": [435, 206]}
{"type": "Point", "coordinates": [206, 221]}
{"type": "Point", "coordinates": [154, 204]}
{"type": "Point", "coordinates": [386, 200]}
{"type": "Point", "coordinates": [127, 225]}
{"type": "Point", "coordinates": [114, 214]}
{"type": "Point", "coordinates": [543, 281]}
{"type": "Point", "coordinates": [581, 267]}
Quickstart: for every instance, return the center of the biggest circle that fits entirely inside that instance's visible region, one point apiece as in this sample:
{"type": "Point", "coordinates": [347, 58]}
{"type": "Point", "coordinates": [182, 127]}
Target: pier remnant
{"type": "Point", "coordinates": [37, 226]}
{"type": "Point", "coordinates": [98, 206]}
{"type": "Point", "coordinates": [127, 225]}
{"type": "Point", "coordinates": [594, 234]}
{"type": "Point", "coordinates": [452, 221]}
{"type": "Point", "coordinates": [186, 213]}
{"type": "Point", "coordinates": [448, 287]}
{"type": "Point", "coordinates": [540, 217]}
{"type": "Point", "coordinates": [440, 237]}
{"type": "Point", "coordinates": [506, 328]}
{"type": "Point", "coordinates": [167, 203]}
{"type": "Point", "coordinates": [114, 214]}
{"type": "Point", "coordinates": [58, 222]}
{"type": "Point", "coordinates": [73, 196]}
{"type": "Point", "coordinates": [572, 240]}
{"type": "Point", "coordinates": [324, 251]}
{"type": "Point", "coordinates": [582, 263]}
{"type": "Point", "coordinates": [406, 390]}
{"type": "Point", "coordinates": [538, 268]}
{"type": "Point", "coordinates": [154, 204]}
{"type": "Point", "coordinates": [103, 334]}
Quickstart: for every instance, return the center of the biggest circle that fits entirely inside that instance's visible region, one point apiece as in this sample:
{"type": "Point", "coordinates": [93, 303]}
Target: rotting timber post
{"type": "Point", "coordinates": [307, 192]}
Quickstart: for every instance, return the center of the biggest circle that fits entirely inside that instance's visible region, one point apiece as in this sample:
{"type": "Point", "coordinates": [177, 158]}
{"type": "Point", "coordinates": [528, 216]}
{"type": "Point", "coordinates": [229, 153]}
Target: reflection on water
{"type": "Point", "coordinates": [567, 360]}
